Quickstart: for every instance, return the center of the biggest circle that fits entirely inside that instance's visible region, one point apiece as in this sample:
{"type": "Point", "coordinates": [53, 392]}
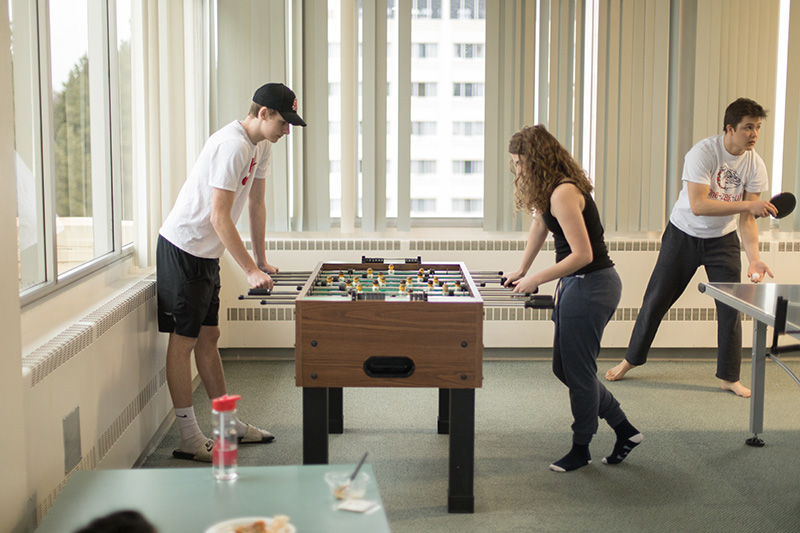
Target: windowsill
{"type": "Point", "coordinates": [48, 315]}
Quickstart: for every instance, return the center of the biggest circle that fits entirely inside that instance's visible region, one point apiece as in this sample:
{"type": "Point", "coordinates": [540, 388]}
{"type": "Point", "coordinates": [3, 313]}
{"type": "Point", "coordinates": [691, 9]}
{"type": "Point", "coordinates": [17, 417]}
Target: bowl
{"type": "Point", "coordinates": [344, 489]}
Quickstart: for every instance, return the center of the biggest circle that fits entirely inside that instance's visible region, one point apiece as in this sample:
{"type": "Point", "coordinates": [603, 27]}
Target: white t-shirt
{"type": "Point", "coordinates": [228, 161]}
{"type": "Point", "coordinates": [728, 176]}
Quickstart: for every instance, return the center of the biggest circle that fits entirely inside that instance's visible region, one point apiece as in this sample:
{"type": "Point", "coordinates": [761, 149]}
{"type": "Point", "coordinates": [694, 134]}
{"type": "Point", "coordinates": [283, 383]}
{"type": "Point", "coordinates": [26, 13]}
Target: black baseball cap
{"type": "Point", "coordinates": [279, 97]}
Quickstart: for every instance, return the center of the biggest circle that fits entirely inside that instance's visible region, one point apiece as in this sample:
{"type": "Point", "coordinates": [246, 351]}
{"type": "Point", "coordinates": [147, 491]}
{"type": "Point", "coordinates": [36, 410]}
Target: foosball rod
{"type": "Point", "coordinates": [283, 297]}
{"type": "Point", "coordinates": [270, 300]}
{"type": "Point", "coordinates": [486, 273]}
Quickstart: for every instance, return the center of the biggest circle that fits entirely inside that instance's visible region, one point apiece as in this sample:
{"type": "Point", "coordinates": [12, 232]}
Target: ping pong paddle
{"type": "Point", "coordinates": [784, 203]}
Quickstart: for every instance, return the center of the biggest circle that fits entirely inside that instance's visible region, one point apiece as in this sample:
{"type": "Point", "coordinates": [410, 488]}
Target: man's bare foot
{"type": "Point", "coordinates": [616, 373]}
{"type": "Point", "coordinates": [736, 387]}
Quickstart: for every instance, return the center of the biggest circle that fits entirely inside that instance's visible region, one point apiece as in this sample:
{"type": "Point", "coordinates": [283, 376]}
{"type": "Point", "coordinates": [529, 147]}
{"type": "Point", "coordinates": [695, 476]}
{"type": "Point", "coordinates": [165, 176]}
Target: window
{"type": "Point", "coordinates": [424, 50]}
{"type": "Point", "coordinates": [423, 167]}
{"type": "Point", "coordinates": [423, 90]}
{"type": "Point", "coordinates": [468, 50]}
{"type": "Point", "coordinates": [468, 9]}
{"type": "Point", "coordinates": [423, 128]}
{"type": "Point", "coordinates": [468, 129]}
{"type": "Point", "coordinates": [467, 167]}
{"type": "Point", "coordinates": [427, 159]}
{"type": "Point", "coordinates": [468, 205]}
{"type": "Point", "coordinates": [468, 90]}
{"type": "Point", "coordinates": [423, 205]}
{"type": "Point", "coordinates": [426, 9]}
{"type": "Point", "coordinates": [69, 162]}
{"type": "Point", "coordinates": [125, 98]}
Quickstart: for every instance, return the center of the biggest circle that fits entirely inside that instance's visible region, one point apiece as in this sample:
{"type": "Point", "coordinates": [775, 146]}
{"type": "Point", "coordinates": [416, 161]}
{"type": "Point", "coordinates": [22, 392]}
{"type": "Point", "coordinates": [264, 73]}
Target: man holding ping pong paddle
{"type": "Point", "coordinates": [723, 177]}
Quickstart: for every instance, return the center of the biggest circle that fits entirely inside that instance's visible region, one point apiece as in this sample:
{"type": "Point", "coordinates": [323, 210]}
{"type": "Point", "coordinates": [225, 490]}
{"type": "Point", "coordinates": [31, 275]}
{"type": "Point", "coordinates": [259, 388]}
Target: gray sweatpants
{"type": "Point", "coordinates": [680, 257]}
{"type": "Point", "coordinates": [584, 305]}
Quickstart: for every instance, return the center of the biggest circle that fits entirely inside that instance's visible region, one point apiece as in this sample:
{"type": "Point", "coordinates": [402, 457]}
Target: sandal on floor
{"type": "Point", "coordinates": [203, 453]}
{"type": "Point", "coordinates": [255, 435]}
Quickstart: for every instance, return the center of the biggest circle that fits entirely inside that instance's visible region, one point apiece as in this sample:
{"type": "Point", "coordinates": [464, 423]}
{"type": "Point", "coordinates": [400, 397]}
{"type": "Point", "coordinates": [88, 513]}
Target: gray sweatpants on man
{"type": "Point", "coordinates": [584, 305]}
{"type": "Point", "coordinates": [680, 257]}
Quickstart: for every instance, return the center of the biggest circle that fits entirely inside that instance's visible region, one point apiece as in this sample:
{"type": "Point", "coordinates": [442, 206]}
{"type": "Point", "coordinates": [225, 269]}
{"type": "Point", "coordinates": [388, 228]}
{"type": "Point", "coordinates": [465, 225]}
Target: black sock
{"type": "Point", "coordinates": [577, 457]}
{"type": "Point", "coordinates": [628, 437]}
{"type": "Point", "coordinates": [625, 430]}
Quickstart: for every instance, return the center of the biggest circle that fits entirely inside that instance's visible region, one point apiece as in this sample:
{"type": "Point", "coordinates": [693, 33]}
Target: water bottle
{"type": "Point", "coordinates": [224, 456]}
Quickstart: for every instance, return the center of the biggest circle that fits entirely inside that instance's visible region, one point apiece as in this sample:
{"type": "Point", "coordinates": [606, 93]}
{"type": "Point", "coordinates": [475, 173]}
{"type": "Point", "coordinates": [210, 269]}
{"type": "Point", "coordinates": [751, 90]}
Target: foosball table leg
{"type": "Point", "coordinates": [335, 410]}
{"type": "Point", "coordinates": [460, 494]}
{"type": "Point", "coordinates": [443, 423]}
{"type": "Point", "coordinates": [315, 426]}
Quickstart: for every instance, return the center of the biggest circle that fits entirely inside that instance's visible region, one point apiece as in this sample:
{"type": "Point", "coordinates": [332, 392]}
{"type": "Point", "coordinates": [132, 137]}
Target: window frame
{"type": "Point", "coordinates": [107, 102]}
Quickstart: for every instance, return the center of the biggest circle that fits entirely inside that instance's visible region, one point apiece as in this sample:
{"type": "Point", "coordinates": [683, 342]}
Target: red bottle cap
{"type": "Point", "coordinates": [225, 403]}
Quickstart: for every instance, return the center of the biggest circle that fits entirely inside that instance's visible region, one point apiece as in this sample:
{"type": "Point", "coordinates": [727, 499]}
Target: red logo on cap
{"type": "Point", "coordinates": [294, 105]}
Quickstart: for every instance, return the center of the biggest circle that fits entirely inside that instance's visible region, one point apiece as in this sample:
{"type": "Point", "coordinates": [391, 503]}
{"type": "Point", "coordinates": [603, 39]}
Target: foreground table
{"type": "Point", "coordinates": [190, 500]}
{"type": "Point", "coordinates": [758, 301]}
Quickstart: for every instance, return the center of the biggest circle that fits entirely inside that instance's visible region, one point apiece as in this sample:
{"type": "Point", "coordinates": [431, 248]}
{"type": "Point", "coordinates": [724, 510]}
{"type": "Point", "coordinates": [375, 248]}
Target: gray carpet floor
{"type": "Point", "coordinates": [693, 472]}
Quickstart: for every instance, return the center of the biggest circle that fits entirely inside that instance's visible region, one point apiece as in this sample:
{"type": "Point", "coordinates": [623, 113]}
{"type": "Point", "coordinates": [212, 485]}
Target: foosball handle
{"type": "Point", "coordinates": [503, 280]}
{"type": "Point", "coordinates": [259, 292]}
{"type": "Point", "coordinates": [540, 301]}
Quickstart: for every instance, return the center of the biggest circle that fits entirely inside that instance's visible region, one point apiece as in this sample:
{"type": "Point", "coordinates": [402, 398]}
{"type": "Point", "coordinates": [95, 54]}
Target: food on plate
{"type": "Point", "coordinates": [256, 527]}
{"type": "Point", "coordinates": [279, 524]}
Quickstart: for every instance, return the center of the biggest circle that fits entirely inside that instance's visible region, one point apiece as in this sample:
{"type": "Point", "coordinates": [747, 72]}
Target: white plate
{"type": "Point", "coordinates": [229, 525]}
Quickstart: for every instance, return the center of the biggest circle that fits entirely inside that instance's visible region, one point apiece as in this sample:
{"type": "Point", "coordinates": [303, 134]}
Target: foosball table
{"type": "Point", "coordinates": [393, 323]}
{"type": "Point", "coordinates": [409, 324]}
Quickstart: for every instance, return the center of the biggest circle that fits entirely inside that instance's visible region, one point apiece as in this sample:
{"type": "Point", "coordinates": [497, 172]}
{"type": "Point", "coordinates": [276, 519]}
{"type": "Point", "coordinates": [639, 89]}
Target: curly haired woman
{"type": "Point", "coordinates": [550, 184]}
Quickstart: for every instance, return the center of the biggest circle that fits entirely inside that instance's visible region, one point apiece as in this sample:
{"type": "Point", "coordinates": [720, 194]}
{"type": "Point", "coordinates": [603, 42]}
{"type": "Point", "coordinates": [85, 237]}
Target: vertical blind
{"type": "Point", "coordinates": [664, 73]}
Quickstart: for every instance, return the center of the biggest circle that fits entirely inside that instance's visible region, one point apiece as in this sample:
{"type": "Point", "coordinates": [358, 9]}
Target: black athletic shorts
{"type": "Point", "coordinates": [188, 290]}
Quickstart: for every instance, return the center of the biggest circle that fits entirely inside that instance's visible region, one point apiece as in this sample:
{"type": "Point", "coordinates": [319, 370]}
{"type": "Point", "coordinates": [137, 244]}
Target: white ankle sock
{"type": "Point", "coordinates": [241, 427]}
{"type": "Point", "coordinates": [191, 436]}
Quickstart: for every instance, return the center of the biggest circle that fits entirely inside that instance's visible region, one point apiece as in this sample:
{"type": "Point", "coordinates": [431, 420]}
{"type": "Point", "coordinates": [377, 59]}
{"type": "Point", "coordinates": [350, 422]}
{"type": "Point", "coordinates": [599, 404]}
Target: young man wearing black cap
{"type": "Point", "coordinates": [230, 171]}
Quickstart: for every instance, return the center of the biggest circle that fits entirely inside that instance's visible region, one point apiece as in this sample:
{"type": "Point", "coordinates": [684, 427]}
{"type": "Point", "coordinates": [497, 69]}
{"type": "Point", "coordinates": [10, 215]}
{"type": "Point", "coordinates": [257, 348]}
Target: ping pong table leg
{"type": "Point", "coordinates": [315, 426]}
{"type": "Point", "coordinates": [460, 496]}
{"type": "Point", "coordinates": [757, 383]}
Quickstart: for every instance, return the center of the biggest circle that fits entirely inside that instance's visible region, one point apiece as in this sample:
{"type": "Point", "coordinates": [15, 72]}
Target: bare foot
{"type": "Point", "coordinates": [616, 373]}
{"type": "Point", "coordinates": [736, 388]}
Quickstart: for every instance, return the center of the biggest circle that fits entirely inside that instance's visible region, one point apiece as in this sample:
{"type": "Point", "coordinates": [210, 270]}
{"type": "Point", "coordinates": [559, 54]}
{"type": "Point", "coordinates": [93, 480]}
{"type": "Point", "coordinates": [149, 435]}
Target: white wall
{"type": "Point", "coordinates": [116, 381]}
{"type": "Point", "coordinates": [14, 488]}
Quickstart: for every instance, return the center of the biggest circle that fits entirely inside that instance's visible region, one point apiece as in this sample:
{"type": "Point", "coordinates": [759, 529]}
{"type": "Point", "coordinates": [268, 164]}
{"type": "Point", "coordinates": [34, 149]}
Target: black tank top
{"type": "Point", "coordinates": [594, 227]}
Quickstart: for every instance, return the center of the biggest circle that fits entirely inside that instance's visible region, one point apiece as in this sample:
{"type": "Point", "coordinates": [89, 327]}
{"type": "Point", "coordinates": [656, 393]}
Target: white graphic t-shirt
{"type": "Point", "coordinates": [228, 161]}
{"type": "Point", "coordinates": [728, 176]}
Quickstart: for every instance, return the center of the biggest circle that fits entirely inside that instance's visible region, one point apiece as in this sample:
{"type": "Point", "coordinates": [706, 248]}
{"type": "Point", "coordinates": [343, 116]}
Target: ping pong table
{"type": "Point", "coordinates": [759, 300]}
